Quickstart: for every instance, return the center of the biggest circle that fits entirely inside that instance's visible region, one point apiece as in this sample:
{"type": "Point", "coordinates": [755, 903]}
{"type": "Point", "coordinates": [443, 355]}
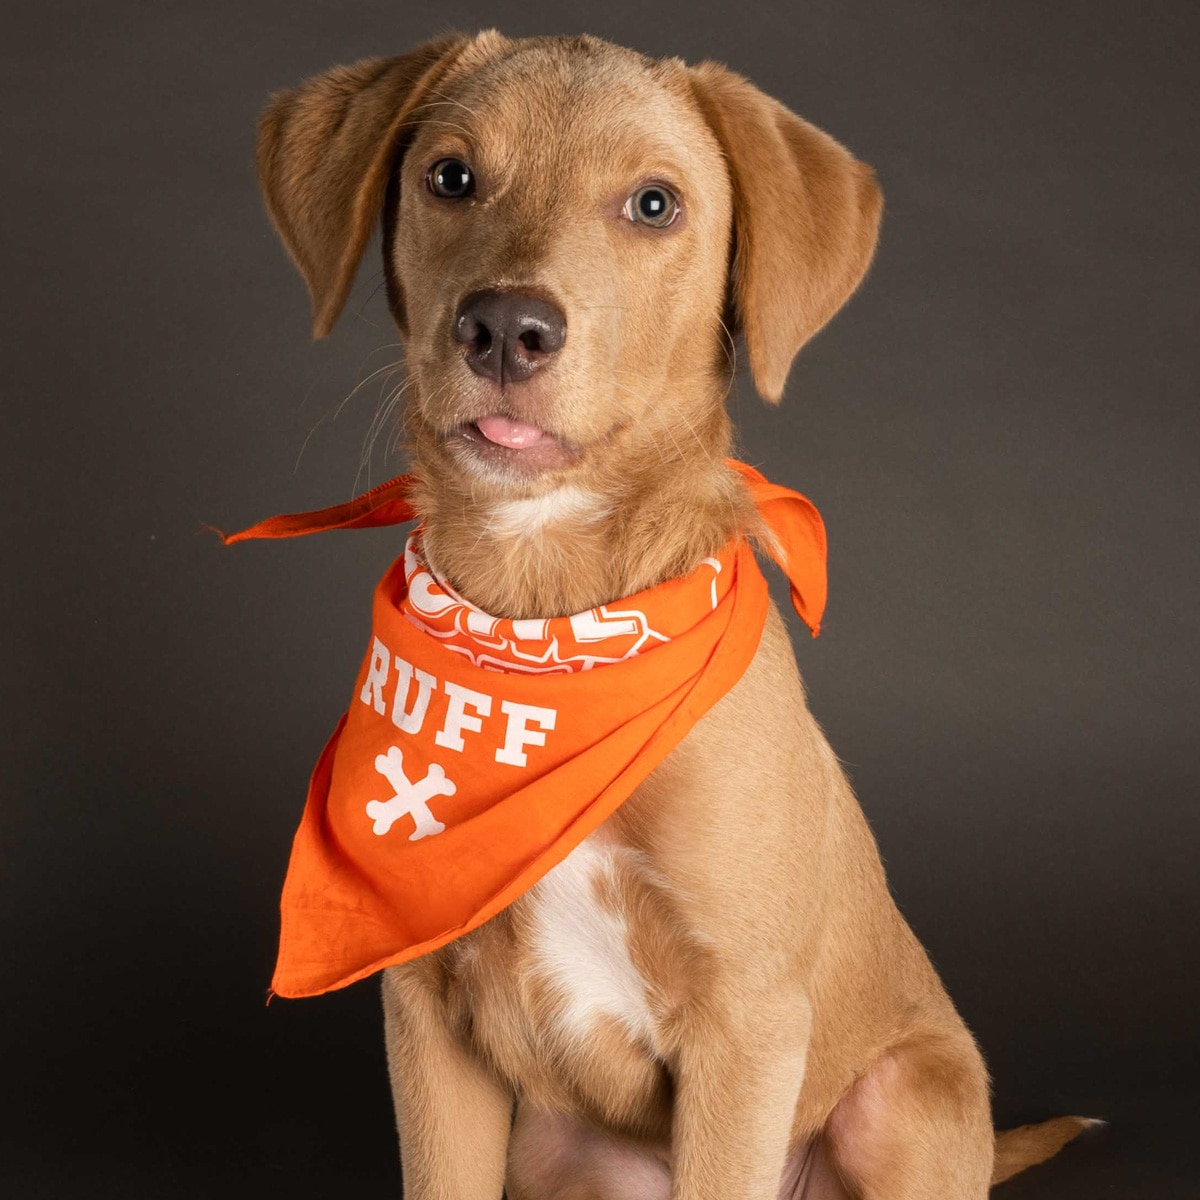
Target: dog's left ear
{"type": "Point", "coordinates": [325, 154]}
{"type": "Point", "coordinates": [805, 220]}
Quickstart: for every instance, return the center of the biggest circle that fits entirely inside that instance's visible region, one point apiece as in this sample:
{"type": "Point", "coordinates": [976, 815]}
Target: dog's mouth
{"type": "Point", "coordinates": [501, 440]}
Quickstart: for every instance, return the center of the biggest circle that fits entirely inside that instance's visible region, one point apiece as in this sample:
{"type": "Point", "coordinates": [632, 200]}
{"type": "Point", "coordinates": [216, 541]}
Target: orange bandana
{"type": "Point", "coordinates": [478, 752]}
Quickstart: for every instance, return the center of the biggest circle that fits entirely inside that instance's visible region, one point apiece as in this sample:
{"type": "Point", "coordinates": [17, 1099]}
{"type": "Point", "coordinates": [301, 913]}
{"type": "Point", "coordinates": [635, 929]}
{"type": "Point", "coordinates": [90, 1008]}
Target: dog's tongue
{"type": "Point", "coordinates": [504, 431]}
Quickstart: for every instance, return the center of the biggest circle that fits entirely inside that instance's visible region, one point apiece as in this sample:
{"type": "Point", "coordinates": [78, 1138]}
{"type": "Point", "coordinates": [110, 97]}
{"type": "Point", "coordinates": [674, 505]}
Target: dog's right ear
{"type": "Point", "coordinates": [325, 153]}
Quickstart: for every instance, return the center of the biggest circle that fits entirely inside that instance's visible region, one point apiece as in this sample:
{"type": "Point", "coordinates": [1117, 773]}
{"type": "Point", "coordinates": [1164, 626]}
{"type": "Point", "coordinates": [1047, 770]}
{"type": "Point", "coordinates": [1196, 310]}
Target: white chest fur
{"type": "Point", "coordinates": [529, 517]}
{"type": "Point", "coordinates": [582, 946]}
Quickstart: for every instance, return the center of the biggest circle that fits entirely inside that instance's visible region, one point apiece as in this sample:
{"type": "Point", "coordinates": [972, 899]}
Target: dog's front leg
{"type": "Point", "coordinates": [454, 1119]}
{"type": "Point", "coordinates": [738, 1075]}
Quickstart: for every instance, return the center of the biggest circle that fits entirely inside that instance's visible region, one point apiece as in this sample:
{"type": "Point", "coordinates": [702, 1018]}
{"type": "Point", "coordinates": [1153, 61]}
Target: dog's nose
{"type": "Point", "coordinates": [508, 335]}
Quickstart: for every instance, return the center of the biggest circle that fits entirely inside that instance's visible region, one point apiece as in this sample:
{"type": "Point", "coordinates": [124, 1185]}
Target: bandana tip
{"type": "Point", "coordinates": [226, 538]}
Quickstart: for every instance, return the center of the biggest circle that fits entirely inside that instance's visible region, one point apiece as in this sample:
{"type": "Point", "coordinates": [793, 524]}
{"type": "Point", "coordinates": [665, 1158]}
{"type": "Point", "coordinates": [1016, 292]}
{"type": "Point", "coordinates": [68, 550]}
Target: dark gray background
{"type": "Point", "coordinates": [1001, 432]}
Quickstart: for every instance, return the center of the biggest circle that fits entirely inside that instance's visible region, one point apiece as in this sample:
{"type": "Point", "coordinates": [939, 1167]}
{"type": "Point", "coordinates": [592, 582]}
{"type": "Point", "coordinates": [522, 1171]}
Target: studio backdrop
{"type": "Point", "coordinates": [1000, 430]}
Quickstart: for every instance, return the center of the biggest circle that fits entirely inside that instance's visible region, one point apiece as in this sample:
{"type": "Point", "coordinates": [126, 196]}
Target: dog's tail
{"type": "Point", "coordinates": [1019, 1148]}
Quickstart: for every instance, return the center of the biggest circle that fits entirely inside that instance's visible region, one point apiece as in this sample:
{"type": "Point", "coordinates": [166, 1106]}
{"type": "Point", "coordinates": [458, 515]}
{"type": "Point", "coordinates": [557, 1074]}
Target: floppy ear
{"type": "Point", "coordinates": [325, 153]}
{"type": "Point", "coordinates": [805, 220]}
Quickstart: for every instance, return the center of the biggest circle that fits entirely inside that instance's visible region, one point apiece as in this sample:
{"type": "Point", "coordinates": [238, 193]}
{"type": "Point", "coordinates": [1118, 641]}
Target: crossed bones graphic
{"type": "Point", "coordinates": [409, 799]}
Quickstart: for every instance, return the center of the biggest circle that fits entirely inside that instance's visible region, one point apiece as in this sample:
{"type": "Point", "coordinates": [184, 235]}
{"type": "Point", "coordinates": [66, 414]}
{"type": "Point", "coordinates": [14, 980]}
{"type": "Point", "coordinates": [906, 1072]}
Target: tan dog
{"type": "Point", "coordinates": [714, 997]}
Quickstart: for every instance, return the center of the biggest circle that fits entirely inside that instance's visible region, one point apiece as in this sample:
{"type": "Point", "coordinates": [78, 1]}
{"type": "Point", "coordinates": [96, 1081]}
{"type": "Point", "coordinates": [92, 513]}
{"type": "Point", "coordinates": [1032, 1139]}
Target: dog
{"type": "Point", "coordinates": [713, 997]}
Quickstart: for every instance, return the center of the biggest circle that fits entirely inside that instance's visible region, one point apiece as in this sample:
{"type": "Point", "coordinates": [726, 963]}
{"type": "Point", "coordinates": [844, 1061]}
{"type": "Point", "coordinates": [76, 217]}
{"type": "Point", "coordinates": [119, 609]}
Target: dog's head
{"type": "Point", "coordinates": [572, 235]}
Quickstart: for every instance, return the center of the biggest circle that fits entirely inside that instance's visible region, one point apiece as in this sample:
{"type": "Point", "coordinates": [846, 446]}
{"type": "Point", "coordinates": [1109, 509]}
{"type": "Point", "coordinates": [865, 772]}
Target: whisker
{"type": "Point", "coordinates": [666, 428]}
{"type": "Point", "coordinates": [358, 315]}
{"type": "Point", "coordinates": [436, 121]}
{"type": "Point", "coordinates": [442, 97]}
{"type": "Point", "coordinates": [336, 411]}
{"type": "Point", "coordinates": [378, 422]}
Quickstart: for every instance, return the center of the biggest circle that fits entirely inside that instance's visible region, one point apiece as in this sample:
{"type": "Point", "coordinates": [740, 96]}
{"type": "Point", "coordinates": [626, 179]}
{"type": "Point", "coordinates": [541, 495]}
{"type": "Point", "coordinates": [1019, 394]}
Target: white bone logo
{"type": "Point", "coordinates": [409, 799]}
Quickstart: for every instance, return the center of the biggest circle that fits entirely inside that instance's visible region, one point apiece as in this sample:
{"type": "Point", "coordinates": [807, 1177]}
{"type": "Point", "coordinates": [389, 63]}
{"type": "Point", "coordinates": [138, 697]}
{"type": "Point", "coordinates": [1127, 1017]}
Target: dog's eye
{"type": "Point", "coordinates": [451, 179]}
{"type": "Point", "coordinates": [654, 205]}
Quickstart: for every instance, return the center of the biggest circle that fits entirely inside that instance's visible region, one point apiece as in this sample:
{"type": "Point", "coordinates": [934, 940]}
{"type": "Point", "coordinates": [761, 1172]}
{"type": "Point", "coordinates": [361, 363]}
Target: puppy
{"type": "Point", "coordinates": [713, 997]}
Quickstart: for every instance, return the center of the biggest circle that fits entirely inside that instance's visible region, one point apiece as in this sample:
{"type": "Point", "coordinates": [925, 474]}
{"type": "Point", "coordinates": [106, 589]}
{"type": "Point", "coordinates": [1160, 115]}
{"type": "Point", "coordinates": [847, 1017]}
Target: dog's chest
{"type": "Point", "coordinates": [551, 991]}
{"type": "Point", "coordinates": [579, 943]}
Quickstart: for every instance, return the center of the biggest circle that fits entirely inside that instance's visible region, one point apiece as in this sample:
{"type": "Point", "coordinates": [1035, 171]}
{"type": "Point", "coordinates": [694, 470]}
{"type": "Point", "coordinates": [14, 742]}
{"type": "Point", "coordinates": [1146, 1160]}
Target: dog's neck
{"type": "Point", "coordinates": [581, 544]}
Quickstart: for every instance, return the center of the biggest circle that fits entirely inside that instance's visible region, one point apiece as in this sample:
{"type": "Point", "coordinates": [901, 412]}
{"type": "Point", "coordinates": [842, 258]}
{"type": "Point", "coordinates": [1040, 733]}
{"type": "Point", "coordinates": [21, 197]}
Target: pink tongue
{"type": "Point", "coordinates": [505, 432]}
